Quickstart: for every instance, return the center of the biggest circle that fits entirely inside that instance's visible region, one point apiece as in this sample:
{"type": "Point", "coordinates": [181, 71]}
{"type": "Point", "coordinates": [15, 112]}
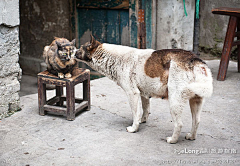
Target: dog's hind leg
{"type": "Point", "coordinates": [134, 100]}
{"type": "Point", "coordinates": [146, 109]}
{"type": "Point", "coordinates": [176, 107]}
{"type": "Point", "coordinates": [196, 108]}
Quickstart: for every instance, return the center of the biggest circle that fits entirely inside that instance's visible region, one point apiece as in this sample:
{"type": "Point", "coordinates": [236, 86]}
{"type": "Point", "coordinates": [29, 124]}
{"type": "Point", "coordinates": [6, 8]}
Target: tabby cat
{"type": "Point", "coordinates": [59, 57]}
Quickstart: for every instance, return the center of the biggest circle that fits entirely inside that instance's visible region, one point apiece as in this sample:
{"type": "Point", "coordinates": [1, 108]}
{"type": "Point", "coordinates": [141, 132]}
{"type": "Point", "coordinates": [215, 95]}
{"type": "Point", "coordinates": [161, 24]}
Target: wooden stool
{"type": "Point", "coordinates": [55, 104]}
{"type": "Point", "coordinates": [233, 24]}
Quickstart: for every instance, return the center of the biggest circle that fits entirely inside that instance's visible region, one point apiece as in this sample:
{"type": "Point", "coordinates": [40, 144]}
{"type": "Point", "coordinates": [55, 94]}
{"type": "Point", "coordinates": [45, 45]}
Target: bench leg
{"type": "Point", "coordinates": [59, 92]}
{"type": "Point", "coordinates": [232, 24]}
{"type": "Point", "coordinates": [41, 96]}
{"type": "Point", "coordinates": [238, 47]}
{"type": "Point", "coordinates": [70, 99]}
{"type": "Point", "coordinates": [86, 92]}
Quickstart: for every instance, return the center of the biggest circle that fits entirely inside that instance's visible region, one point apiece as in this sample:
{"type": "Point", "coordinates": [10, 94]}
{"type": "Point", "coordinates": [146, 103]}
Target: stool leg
{"type": "Point", "coordinates": [232, 24]}
{"type": "Point", "coordinates": [41, 96]}
{"type": "Point", "coordinates": [86, 92]}
{"type": "Point", "coordinates": [59, 92]}
{"type": "Point", "coordinates": [238, 47]}
{"type": "Point", "coordinates": [70, 99]}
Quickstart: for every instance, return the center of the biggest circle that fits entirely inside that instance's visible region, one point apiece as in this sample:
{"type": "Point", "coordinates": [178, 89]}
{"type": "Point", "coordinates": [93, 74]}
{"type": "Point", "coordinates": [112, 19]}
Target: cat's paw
{"type": "Point", "coordinates": [68, 75]}
{"type": "Point", "coordinates": [60, 75]}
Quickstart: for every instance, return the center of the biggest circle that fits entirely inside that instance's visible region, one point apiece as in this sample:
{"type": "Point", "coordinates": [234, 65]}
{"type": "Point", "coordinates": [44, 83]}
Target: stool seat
{"type": "Point", "coordinates": [56, 104]}
{"type": "Point", "coordinates": [233, 31]}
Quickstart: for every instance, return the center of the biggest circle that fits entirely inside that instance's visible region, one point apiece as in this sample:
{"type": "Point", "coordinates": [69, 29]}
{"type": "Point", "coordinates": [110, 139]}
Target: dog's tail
{"type": "Point", "coordinates": [203, 84]}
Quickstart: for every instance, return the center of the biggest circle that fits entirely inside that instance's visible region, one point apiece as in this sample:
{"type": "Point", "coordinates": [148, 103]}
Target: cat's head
{"type": "Point", "coordinates": [66, 51]}
{"type": "Point", "coordinates": [85, 52]}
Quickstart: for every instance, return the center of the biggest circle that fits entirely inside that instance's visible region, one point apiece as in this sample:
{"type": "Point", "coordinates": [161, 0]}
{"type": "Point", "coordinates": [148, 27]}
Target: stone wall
{"type": "Point", "coordinates": [213, 27]}
{"type": "Point", "coordinates": [41, 21]}
{"type": "Point", "coordinates": [10, 71]}
{"type": "Point", "coordinates": [174, 29]}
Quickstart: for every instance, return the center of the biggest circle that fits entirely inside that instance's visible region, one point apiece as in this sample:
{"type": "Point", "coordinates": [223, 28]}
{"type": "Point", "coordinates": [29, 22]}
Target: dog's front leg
{"type": "Point", "coordinates": [134, 101]}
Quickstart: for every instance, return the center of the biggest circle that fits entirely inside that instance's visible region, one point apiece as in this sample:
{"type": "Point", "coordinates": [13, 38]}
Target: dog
{"type": "Point", "coordinates": [173, 74]}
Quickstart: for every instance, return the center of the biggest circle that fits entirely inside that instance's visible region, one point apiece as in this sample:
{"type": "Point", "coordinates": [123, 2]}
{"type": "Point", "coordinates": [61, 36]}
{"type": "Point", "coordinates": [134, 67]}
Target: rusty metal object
{"type": "Point", "coordinates": [55, 104]}
{"type": "Point", "coordinates": [141, 29]}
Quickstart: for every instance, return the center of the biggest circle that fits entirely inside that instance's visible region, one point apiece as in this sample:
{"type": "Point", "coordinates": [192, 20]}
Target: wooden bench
{"type": "Point", "coordinates": [233, 24]}
{"type": "Point", "coordinates": [56, 104]}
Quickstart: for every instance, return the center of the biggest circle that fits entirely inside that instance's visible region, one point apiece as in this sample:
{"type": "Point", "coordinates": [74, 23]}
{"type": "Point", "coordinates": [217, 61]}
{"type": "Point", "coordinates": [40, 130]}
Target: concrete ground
{"type": "Point", "coordinates": [99, 137]}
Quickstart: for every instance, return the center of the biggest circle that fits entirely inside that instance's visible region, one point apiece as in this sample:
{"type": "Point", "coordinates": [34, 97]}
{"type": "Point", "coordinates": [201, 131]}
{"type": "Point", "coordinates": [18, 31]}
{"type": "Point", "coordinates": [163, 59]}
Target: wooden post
{"type": "Point", "coordinates": [59, 93]}
{"type": "Point", "coordinates": [70, 99]}
{"type": "Point", "coordinates": [86, 92]}
{"type": "Point", "coordinates": [227, 48]}
{"type": "Point", "coordinates": [238, 47]}
{"type": "Point", "coordinates": [41, 96]}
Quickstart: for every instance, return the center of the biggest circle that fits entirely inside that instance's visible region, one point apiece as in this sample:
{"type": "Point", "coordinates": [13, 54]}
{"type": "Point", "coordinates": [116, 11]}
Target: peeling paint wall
{"type": "Point", "coordinates": [213, 27]}
{"type": "Point", "coordinates": [10, 71]}
{"type": "Point", "coordinates": [41, 21]}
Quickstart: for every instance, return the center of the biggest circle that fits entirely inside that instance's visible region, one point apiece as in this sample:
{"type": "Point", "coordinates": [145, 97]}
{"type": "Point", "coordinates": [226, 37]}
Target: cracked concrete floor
{"type": "Point", "coordinates": [98, 136]}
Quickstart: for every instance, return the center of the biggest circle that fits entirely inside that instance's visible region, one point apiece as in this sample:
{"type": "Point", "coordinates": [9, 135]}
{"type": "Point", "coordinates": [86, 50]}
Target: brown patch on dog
{"type": "Point", "coordinates": [158, 63]}
{"type": "Point", "coordinates": [157, 66]}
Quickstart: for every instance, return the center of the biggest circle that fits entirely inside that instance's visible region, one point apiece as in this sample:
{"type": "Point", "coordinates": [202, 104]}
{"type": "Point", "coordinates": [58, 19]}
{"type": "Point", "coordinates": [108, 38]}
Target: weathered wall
{"type": "Point", "coordinates": [41, 21]}
{"type": "Point", "coordinates": [10, 71]}
{"type": "Point", "coordinates": [174, 29]}
{"type": "Point", "coordinates": [213, 27]}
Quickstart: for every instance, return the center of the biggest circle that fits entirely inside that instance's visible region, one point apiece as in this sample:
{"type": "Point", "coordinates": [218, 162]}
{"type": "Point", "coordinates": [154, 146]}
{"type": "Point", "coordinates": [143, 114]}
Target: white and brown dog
{"type": "Point", "coordinates": [172, 74]}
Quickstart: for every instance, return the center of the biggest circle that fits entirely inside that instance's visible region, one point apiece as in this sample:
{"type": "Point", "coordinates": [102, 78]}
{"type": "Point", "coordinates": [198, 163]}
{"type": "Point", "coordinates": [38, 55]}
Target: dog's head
{"type": "Point", "coordinates": [86, 51]}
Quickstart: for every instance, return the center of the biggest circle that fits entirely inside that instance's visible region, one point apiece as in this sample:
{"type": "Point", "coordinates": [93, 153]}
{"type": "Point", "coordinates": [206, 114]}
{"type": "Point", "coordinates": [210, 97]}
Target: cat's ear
{"type": "Point", "coordinates": [73, 42]}
{"type": "Point", "coordinates": [92, 40]}
{"type": "Point", "coordinates": [93, 43]}
{"type": "Point", "coordinates": [59, 45]}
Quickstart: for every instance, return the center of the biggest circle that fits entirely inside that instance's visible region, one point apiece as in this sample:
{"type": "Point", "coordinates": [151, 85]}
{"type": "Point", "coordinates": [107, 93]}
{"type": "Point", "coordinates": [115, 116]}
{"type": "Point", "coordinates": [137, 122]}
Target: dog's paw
{"type": "Point", "coordinates": [60, 75]}
{"type": "Point", "coordinates": [143, 120]}
{"type": "Point", "coordinates": [171, 141]}
{"type": "Point", "coordinates": [130, 129]}
{"type": "Point", "coordinates": [189, 137]}
{"type": "Point", "coordinates": [68, 75]}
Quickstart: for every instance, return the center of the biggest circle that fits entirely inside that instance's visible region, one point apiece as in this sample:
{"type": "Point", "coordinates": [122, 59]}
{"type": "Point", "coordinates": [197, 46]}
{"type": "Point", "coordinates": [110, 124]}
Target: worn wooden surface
{"type": "Point", "coordinates": [55, 104]}
{"type": "Point", "coordinates": [238, 47]}
{"type": "Point", "coordinates": [229, 38]}
{"type": "Point", "coordinates": [233, 24]}
{"type": "Point", "coordinates": [41, 96]}
{"type": "Point", "coordinates": [227, 11]}
{"type": "Point", "coordinates": [103, 4]}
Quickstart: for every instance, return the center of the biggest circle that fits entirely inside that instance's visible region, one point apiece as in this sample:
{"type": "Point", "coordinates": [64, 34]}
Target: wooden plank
{"type": "Point", "coordinates": [103, 4]}
{"type": "Point", "coordinates": [59, 93]}
{"type": "Point", "coordinates": [53, 100]}
{"type": "Point", "coordinates": [238, 47]}
{"type": "Point", "coordinates": [227, 48]}
{"type": "Point", "coordinates": [56, 109]}
{"type": "Point", "coordinates": [81, 106]}
{"type": "Point", "coordinates": [113, 23]}
{"type": "Point", "coordinates": [41, 96]}
{"type": "Point", "coordinates": [148, 22]}
{"type": "Point", "coordinates": [70, 101]}
{"type": "Point", "coordinates": [77, 100]}
{"type": "Point", "coordinates": [86, 92]}
{"type": "Point", "coordinates": [227, 11]}
{"type": "Point", "coordinates": [133, 23]}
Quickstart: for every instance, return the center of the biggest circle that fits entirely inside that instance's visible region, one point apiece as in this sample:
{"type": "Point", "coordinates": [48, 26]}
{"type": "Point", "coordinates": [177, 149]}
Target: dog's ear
{"type": "Point", "coordinates": [73, 42]}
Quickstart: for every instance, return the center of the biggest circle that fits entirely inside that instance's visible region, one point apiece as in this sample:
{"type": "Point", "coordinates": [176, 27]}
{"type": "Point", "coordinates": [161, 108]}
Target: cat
{"type": "Point", "coordinates": [59, 57]}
